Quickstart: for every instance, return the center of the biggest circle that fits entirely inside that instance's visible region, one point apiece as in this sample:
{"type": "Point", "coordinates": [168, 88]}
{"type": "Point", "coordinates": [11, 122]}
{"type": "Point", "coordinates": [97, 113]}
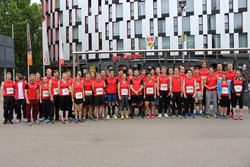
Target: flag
{"type": "Point", "coordinates": [29, 53]}
{"type": "Point", "coordinates": [46, 58]}
{"type": "Point", "coordinates": [61, 49]}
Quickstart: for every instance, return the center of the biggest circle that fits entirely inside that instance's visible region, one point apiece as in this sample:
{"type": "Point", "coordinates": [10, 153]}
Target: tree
{"type": "Point", "coordinates": [18, 13]}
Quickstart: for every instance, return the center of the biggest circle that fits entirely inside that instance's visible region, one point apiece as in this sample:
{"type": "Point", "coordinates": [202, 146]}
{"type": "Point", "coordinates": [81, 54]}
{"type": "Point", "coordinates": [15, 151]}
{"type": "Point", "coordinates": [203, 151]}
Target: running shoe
{"type": "Point", "coordinates": [122, 117]}
{"type": "Point", "coordinates": [240, 118]}
{"type": "Point", "coordinates": [215, 116]}
{"type": "Point", "coordinates": [207, 116]}
{"type": "Point", "coordinates": [166, 115]}
{"type": "Point", "coordinates": [40, 120]}
{"type": "Point", "coordinates": [114, 117]}
{"type": "Point", "coordinates": [30, 123]}
{"type": "Point", "coordinates": [235, 117]}
{"type": "Point", "coordinates": [160, 115]}
{"type": "Point", "coordinates": [148, 115]}
{"type": "Point", "coordinates": [25, 120]}
{"type": "Point", "coordinates": [11, 122]}
{"type": "Point", "coordinates": [179, 116]}
{"type": "Point", "coordinates": [232, 115]}
{"type": "Point", "coordinates": [202, 115]}
{"type": "Point", "coordinates": [17, 121]}
{"type": "Point", "coordinates": [76, 121]}
{"type": "Point", "coordinates": [132, 116]}
{"type": "Point", "coordinates": [222, 116]}
{"type": "Point", "coordinates": [84, 118]}
{"type": "Point", "coordinates": [127, 117]}
{"type": "Point", "coordinates": [186, 115]}
{"type": "Point", "coordinates": [81, 120]}
{"type": "Point", "coordinates": [225, 116]}
{"type": "Point", "coordinates": [108, 117]}
{"type": "Point", "coordinates": [37, 122]}
{"type": "Point", "coordinates": [155, 115]}
{"type": "Point", "coordinates": [63, 121]}
{"type": "Point", "coordinates": [5, 122]}
{"type": "Point", "coordinates": [152, 116]}
{"type": "Point", "coordinates": [192, 115]}
{"type": "Point", "coordinates": [46, 121]}
{"type": "Point", "coordinates": [68, 120]}
{"type": "Point", "coordinates": [96, 118]}
{"type": "Point", "coordinates": [91, 118]}
{"type": "Point", "coordinates": [173, 116]}
{"type": "Point", "coordinates": [142, 115]}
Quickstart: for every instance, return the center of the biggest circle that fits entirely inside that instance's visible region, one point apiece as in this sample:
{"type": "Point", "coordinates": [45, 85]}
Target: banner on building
{"type": "Point", "coordinates": [29, 53]}
{"type": "Point", "coordinates": [46, 58]}
{"type": "Point", "coordinates": [150, 41]}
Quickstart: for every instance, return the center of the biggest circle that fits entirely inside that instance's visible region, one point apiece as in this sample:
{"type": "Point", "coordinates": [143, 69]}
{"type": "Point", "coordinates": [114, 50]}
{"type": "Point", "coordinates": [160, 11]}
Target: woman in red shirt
{"type": "Point", "coordinates": [150, 95]}
{"type": "Point", "coordinates": [45, 99]}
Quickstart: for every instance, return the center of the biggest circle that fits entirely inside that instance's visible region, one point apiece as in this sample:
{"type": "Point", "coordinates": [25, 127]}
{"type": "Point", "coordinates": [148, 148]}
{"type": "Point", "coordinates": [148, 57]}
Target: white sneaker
{"type": "Point", "coordinates": [160, 115]}
{"type": "Point", "coordinates": [18, 121]}
{"type": "Point", "coordinates": [25, 120]}
{"type": "Point", "coordinates": [166, 115]}
{"type": "Point", "coordinates": [40, 120]}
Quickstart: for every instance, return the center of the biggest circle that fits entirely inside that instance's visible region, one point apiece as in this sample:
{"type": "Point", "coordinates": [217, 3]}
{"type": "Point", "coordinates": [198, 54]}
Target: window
{"type": "Point", "coordinates": [120, 44]}
{"type": "Point", "coordinates": [100, 41]}
{"type": "Point", "coordinates": [205, 41]}
{"type": "Point", "coordinates": [60, 18]}
{"type": "Point", "coordinates": [86, 24]}
{"type": "Point", "coordinates": [129, 28]}
{"type": "Point", "coordinates": [57, 34]}
{"type": "Point", "coordinates": [116, 29]}
{"type": "Point", "coordinates": [179, 42]}
{"type": "Point", "coordinates": [133, 44]}
{"type": "Point", "coordinates": [100, 6]}
{"type": "Point", "coordinates": [242, 3]}
{"type": "Point", "coordinates": [176, 25]}
{"type": "Point", "coordinates": [231, 40]}
{"type": "Point", "coordinates": [242, 40]}
{"type": "Point", "coordinates": [151, 26]}
{"type": "Point", "coordinates": [156, 43]}
{"type": "Point", "coordinates": [155, 7]}
{"type": "Point", "coordinates": [238, 21]}
{"type": "Point", "coordinates": [190, 42]}
{"type": "Point", "coordinates": [204, 5]}
{"type": "Point", "coordinates": [138, 27]}
{"type": "Point", "coordinates": [78, 15]}
{"type": "Point", "coordinates": [211, 22]}
{"type": "Point", "coordinates": [75, 32]}
{"type": "Point", "coordinates": [67, 33]}
{"type": "Point", "coordinates": [142, 44]}
{"type": "Point", "coordinates": [215, 5]}
{"type": "Point", "coordinates": [161, 26]}
{"type": "Point", "coordinates": [75, 2]}
{"type": "Point", "coordinates": [141, 9]}
{"type": "Point", "coordinates": [67, 4]}
{"type": "Point", "coordinates": [110, 11]}
{"type": "Point", "coordinates": [216, 41]}
{"type": "Point", "coordinates": [110, 45]}
{"type": "Point", "coordinates": [201, 23]}
{"type": "Point", "coordinates": [230, 5]}
{"type": "Point", "coordinates": [186, 24]}
{"type": "Point", "coordinates": [226, 23]}
{"type": "Point", "coordinates": [119, 11]}
{"type": "Point", "coordinates": [132, 9]}
{"type": "Point", "coordinates": [96, 22]}
{"type": "Point", "coordinates": [57, 3]}
{"type": "Point", "coordinates": [190, 6]}
{"type": "Point", "coordinates": [70, 17]}
{"type": "Point", "coordinates": [165, 42]}
{"type": "Point", "coordinates": [79, 46]}
{"type": "Point", "coordinates": [89, 2]}
{"type": "Point", "coordinates": [90, 41]}
{"type": "Point", "coordinates": [107, 30]}
{"type": "Point", "coordinates": [165, 7]}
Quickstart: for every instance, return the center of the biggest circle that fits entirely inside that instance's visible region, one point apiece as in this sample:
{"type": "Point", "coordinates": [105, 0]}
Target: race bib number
{"type": "Point", "coordinates": [164, 86]}
{"type": "Point", "coordinates": [99, 91]}
{"type": "Point", "coordinates": [124, 92]}
{"type": "Point", "coordinates": [10, 91]}
{"type": "Point", "coordinates": [190, 89]}
{"type": "Point", "coordinates": [150, 90]}
{"type": "Point", "coordinates": [88, 93]}
{"type": "Point", "coordinates": [203, 77]}
{"type": "Point", "coordinates": [56, 92]}
{"type": "Point", "coordinates": [65, 92]}
{"type": "Point", "coordinates": [224, 91]}
{"type": "Point", "coordinates": [197, 86]}
{"type": "Point", "coordinates": [79, 95]}
{"type": "Point", "coordinates": [238, 88]}
{"type": "Point", "coordinates": [45, 93]}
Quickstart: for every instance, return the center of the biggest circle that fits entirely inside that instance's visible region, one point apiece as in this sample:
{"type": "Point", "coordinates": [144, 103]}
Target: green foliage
{"type": "Point", "coordinates": [18, 13]}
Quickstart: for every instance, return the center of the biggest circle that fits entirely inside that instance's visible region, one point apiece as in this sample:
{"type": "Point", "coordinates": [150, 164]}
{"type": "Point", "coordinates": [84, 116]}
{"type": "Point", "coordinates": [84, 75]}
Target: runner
{"type": "Point", "coordinates": [224, 95]}
{"type": "Point", "coordinates": [238, 88]}
{"type": "Point", "coordinates": [39, 82]}
{"type": "Point", "coordinates": [182, 72]}
{"type": "Point", "coordinates": [7, 93]}
{"type": "Point", "coordinates": [89, 97]}
{"type": "Point", "coordinates": [78, 97]}
{"type": "Point", "coordinates": [119, 79]}
{"type": "Point", "coordinates": [124, 95]}
{"type": "Point", "coordinates": [170, 74]}
{"type": "Point", "coordinates": [219, 71]}
{"type": "Point", "coordinates": [103, 75]}
{"type": "Point", "coordinates": [111, 90]}
{"type": "Point", "coordinates": [45, 100]}
{"type": "Point", "coordinates": [143, 76]}
{"type": "Point", "coordinates": [98, 88]}
{"type": "Point", "coordinates": [20, 100]}
{"type": "Point", "coordinates": [70, 80]}
{"type": "Point", "coordinates": [129, 77]}
{"type": "Point", "coordinates": [54, 96]}
{"type": "Point", "coordinates": [176, 92]}
{"type": "Point", "coordinates": [163, 92]}
{"type": "Point", "coordinates": [32, 99]}
{"type": "Point", "coordinates": [150, 95]}
{"type": "Point", "coordinates": [136, 87]}
{"type": "Point", "coordinates": [63, 88]}
{"type": "Point", "coordinates": [199, 91]}
{"type": "Point", "coordinates": [93, 75]}
{"type": "Point", "coordinates": [211, 94]}
{"type": "Point", "coordinates": [156, 76]}
{"type": "Point", "coordinates": [189, 90]}
{"type": "Point", "coordinates": [203, 73]}
{"type": "Point", "coordinates": [49, 77]}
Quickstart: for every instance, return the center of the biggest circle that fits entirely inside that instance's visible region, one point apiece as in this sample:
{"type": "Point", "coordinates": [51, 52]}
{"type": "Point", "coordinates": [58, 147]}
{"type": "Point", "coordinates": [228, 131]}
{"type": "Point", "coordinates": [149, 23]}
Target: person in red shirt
{"type": "Point", "coordinates": [203, 73]}
{"type": "Point", "coordinates": [54, 95]}
{"type": "Point", "coordinates": [89, 97]}
{"type": "Point", "coordinates": [93, 75]}
{"type": "Point", "coordinates": [129, 77]}
{"type": "Point", "coordinates": [111, 90]}
{"type": "Point", "coordinates": [211, 94]}
{"type": "Point", "coordinates": [219, 71]}
{"type": "Point", "coordinates": [70, 80]}
{"type": "Point", "coordinates": [199, 90]}
{"type": "Point", "coordinates": [49, 77]}
{"type": "Point", "coordinates": [150, 95]}
{"type": "Point", "coordinates": [98, 88]}
{"type": "Point", "coordinates": [144, 77]}
{"type": "Point", "coordinates": [182, 72]}
{"type": "Point", "coordinates": [20, 100]}
{"type": "Point", "coordinates": [7, 93]}
{"type": "Point", "coordinates": [189, 91]}
{"type": "Point", "coordinates": [119, 79]}
{"type": "Point", "coordinates": [32, 99]}
{"type": "Point", "coordinates": [103, 75]}
{"type": "Point", "coordinates": [45, 100]}
{"type": "Point", "coordinates": [136, 87]}
{"type": "Point", "coordinates": [39, 82]}
{"type": "Point", "coordinates": [170, 74]}
{"type": "Point", "coordinates": [78, 97]}
{"type": "Point", "coordinates": [176, 92]}
{"type": "Point", "coordinates": [124, 95]}
{"type": "Point", "coordinates": [163, 91]}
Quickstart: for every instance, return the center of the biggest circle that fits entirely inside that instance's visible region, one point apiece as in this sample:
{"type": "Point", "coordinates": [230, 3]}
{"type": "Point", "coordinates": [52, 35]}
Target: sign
{"type": "Point", "coordinates": [150, 41]}
{"type": "Point", "coordinates": [46, 60]}
{"type": "Point", "coordinates": [127, 57]}
{"type": "Point", "coordinates": [29, 53]}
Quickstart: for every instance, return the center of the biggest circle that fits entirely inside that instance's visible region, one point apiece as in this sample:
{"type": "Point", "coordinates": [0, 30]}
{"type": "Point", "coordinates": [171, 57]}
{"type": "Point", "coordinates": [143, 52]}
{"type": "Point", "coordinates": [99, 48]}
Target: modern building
{"type": "Point", "coordinates": [91, 25]}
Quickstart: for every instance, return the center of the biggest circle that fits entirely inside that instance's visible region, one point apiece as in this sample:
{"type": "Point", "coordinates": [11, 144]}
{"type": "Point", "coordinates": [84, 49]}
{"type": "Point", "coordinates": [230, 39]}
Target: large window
{"type": "Point", "coordinates": [231, 40]}
{"type": "Point", "coordinates": [78, 15]}
{"type": "Point", "coordinates": [110, 11]}
{"type": "Point", "coordinates": [186, 24]}
{"type": "Point", "coordinates": [161, 26]}
{"type": "Point", "coordinates": [215, 5]}
{"type": "Point", "coordinates": [205, 41]}
{"type": "Point", "coordinates": [204, 6]}
{"type": "Point", "coordinates": [155, 7]}
{"type": "Point", "coordinates": [200, 23]}
{"type": "Point", "coordinates": [138, 27]}
{"type": "Point", "coordinates": [110, 45]}
{"type": "Point", "coordinates": [86, 24]}
{"type": "Point", "coordinates": [129, 28]}
{"type": "Point", "coordinates": [179, 43]}
{"type": "Point", "coordinates": [242, 3]}
{"type": "Point", "coordinates": [96, 22]}
{"type": "Point", "coordinates": [226, 23]}
{"type": "Point", "coordinates": [165, 7]}
{"type": "Point", "coordinates": [133, 44]}
{"type": "Point", "coordinates": [238, 21]}
{"type": "Point", "coordinates": [100, 41]}
{"type": "Point", "coordinates": [57, 3]}
{"type": "Point", "coordinates": [89, 3]}
{"type": "Point", "coordinates": [120, 44]}
{"type": "Point", "coordinates": [90, 41]}
{"type": "Point", "coordinates": [60, 18]}
{"type": "Point", "coordinates": [190, 6]}
{"type": "Point", "coordinates": [190, 42]}
{"type": "Point", "coordinates": [142, 44]}
{"type": "Point", "coordinates": [242, 40]}
{"type": "Point", "coordinates": [67, 33]}
{"type": "Point", "coordinates": [75, 32]}
{"type": "Point", "coordinates": [151, 26]}
{"type": "Point", "coordinates": [75, 2]}
{"type": "Point", "coordinates": [116, 29]}
{"type": "Point", "coordinates": [70, 17]}
{"type": "Point", "coordinates": [216, 41]}
{"type": "Point", "coordinates": [211, 22]}
{"type": "Point", "coordinates": [165, 42]}
{"type": "Point", "coordinates": [156, 43]}
{"type": "Point", "coordinates": [99, 6]}
{"type": "Point", "coordinates": [132, 11]}
{"type": "Point", "coordinates": [231, 5]}
{"type": "Point", "coordinates": [176, 25]}
{"type": "Point", "coordinates": [107, 29]}
{"type": "Point", "coordinates": [119, 11]}
{"type": "Point", "coordinates": [141, 9]}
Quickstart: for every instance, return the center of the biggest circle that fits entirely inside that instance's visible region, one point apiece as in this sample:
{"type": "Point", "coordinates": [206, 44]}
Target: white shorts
{"type": "Point", "coordinates": [198, 96]}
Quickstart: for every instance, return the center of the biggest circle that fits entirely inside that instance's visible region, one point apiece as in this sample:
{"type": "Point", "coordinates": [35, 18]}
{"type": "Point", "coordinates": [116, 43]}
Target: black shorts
{"type": "Point", "coordinates": [89, 100]}
{"type": "Point", "coordinates": [224, 101]}
{"type": "Point", "coordinates": [64, 103]}
{"type": "Point", "coordinates": [235, 99]}
{"type": "Point", "coordinates": [100, 100]}
{"type": "Point", "coordinates": [136, 99]}
{"type": "Point", "coordinates": [130, 102]}
{"type": "Point", "coordinates": [150, 98]}
{"type": "Point", "coordinates": [78, 101]}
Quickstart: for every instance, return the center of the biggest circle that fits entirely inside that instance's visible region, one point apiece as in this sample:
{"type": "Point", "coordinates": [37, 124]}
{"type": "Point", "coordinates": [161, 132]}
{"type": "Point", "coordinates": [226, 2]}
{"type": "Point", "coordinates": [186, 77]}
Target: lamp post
{"type": "Point", "coordinates": [182, 5]}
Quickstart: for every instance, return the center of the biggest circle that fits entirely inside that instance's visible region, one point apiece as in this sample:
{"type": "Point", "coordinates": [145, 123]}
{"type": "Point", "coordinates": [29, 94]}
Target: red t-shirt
{"type": "Point", "coordinates": [88, 87]}
{"type": "Point", "coordinates": [78, 90]}
{"type": "Point", "coordinates": [32, 90]}
{"type": "Point", "coordinates": [136, 84]}
{"type": "Point", "coordinates": [183, 76]}
{"type": "Point", "coordinates": [150, 87]}
{"type": "Point", "coordinates": [238, 85]}
{"type": "Point", "coordinates": [219, 74]}
{"type": "Point", "coordinates": [224, 87]}
{"type": "Point", "coordinates": [8, 88]}
{"type": "Point", "coordinates": [164, 83]}
{"type": "Point", "coordinates": [124, 88]}
{"type": "Point", "coordinates": [54, 87]}
{"type": "Point", "coordinates": [203, 73]}
{"type": "Point", "coordinates": [98, 88]}
{"type": "Point", "coordinates": [64, 88]}
{"type": "Point", "coordinates": [143, 78]}
{"type": "Point", "coordinates": [230, 75]}
{"type": "Point", "coordinates": [119, 78]}
{"type": "Point", "coordinates": [189, 85]}
{"type": "Point", "coordinates": [49, 78]}
{"type": "Point", "coordinates": [198, 82]}
{"type": "Point", "coordinates": [129, 79]}
{"type": "Point", "coordinates": [211, 82]}
{"type": "Point", "coordinates": [39, 82]}
{"type": "Point", "coordinates": [176, 84]}
{"type": "Point", "coordinates": [111, 85]}
{"type": "Point", "coordinates": [45, 92]}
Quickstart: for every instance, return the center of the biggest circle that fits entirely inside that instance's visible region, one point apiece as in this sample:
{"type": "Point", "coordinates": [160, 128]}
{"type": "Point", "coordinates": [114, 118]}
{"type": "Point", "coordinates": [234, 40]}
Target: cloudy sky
{"type": "Point", "coordinates": [37, 1]}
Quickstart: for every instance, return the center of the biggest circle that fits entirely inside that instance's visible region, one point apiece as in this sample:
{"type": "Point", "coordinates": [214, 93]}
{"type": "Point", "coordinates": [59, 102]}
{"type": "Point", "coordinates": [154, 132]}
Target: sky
{"type": "Point", "coordinates": [37, 1]}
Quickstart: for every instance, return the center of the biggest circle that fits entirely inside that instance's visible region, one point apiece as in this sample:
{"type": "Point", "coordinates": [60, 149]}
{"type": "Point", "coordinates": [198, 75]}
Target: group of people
{"type": "Point", "coordinates": [97, 95]}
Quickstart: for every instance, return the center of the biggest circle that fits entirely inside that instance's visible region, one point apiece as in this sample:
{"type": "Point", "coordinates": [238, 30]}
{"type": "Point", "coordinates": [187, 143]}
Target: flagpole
{"type": "Point", "coordinates": [12, 33]}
